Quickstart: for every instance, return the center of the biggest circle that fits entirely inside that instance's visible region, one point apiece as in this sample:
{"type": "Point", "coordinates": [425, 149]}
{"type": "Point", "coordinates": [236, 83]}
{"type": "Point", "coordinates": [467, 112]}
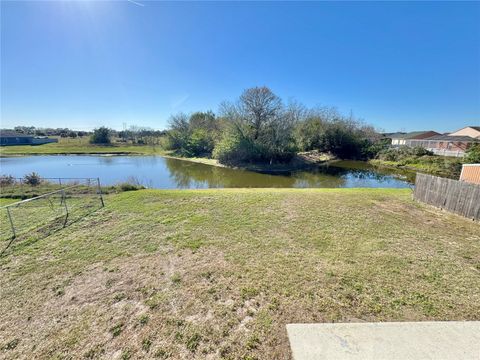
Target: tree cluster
{"type": "Point", "coordinates": [194, 135]}
{"type": "Point", "coordinates": [472, 155]}
{"type": "Point", "coordinates": [62, 132]}
{"type": "Point", "coordinates": [260, 127]}
{"type": "Point", "coordinates": [140, 135]}
{"type": "Point", "coordinates": [102, 135]}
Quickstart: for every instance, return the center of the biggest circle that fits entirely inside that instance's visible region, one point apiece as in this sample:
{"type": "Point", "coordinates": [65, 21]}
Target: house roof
{"type": "Point", "coordinates": [476, 128]}
{"type": "Point", "coordinates": [418, 134]}
{"type": "Point", "coordinates": [395, 135]}
{"type": "Point", "coordinates": [451, 138]}
{"type": "Point", "coordinates": [9, 133]}
{"type": "Point", "coordinates": [470, 127]}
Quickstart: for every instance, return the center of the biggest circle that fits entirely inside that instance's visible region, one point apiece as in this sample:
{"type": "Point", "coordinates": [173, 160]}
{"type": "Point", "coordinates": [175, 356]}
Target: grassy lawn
{"type": "Point", "coordinates": [218, 273]}
{"type": "Point", "coordinates": [436, 165]}
{"type": "Point", "coordinates": [80, 146]}
{"type": "Point", "coordinates": [4, 202]}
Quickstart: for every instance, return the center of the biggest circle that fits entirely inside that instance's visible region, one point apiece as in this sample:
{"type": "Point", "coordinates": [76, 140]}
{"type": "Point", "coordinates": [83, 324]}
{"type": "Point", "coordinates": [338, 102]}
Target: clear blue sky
{"type": "Point", "coordinates": [410, 66]}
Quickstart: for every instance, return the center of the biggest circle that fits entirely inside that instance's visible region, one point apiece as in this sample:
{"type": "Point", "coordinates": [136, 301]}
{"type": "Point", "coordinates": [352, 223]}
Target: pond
{"type": "Point", "coordinates": [165, 173]}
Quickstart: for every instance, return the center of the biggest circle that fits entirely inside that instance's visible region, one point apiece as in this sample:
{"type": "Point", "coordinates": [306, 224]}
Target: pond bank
{"type": "Point", "coordinates": [444, 168]}
{"type": "Point", "coordinates": [79, 153]}
{"type": "Point", "coordinates": [302, 161]}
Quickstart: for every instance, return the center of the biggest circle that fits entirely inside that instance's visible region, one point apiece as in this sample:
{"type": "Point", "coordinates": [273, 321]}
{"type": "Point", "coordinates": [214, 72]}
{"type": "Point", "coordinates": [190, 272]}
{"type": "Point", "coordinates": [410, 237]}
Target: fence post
{"type": "Point", "coordinates": [66, 207]}
{"type": "Point", "coordinates": [100, 192]}
{"type": "Point", "coordinates": [11, 223]}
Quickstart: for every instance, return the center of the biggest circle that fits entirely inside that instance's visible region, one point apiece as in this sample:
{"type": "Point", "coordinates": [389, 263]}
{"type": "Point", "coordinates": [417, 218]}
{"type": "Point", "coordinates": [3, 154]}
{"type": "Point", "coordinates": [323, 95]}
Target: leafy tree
{"type": "Point", "coordinates": [234, 148]}
{"type": "Point", "coordinates": [200, 142]}
{"type": "Point", "coordinates": [102, 135]}
{"type": "Point", "coordinates": [472, 155]}
{"type": "Point", "coordinates": [6, 180]}
{"type": "Point", "coordinates": [193, 135]}
{"type": "Point", "coordinates": [260, 125]}
{"type": "Point", "coordinates": [326, 130]}
{"type": "Point", "coordinates": [310, 133]}
{"type": "Point", "coordinates": [32, 179]}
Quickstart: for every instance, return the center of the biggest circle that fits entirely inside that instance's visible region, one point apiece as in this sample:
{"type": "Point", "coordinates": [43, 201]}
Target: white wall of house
{"type": "Point", "coordinates": [398, 141]}
{"type": "Point", "coordinates": [467, 131]}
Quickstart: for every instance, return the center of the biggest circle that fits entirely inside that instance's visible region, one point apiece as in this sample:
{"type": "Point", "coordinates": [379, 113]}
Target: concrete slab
{"type": "Point", "coordinates": [439, 340]}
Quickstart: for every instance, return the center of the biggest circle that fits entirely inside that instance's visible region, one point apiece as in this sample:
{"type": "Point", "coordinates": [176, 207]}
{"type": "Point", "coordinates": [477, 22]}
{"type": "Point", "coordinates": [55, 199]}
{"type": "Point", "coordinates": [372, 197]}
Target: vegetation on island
{"type": "Point", "coordinates": [185, 274]}
{"type": "Point", "coordinates": [260, 128]}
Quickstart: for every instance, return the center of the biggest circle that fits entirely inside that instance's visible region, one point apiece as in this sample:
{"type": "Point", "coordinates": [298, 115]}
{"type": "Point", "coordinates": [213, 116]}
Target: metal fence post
{"type": "Point", "coordinates": [100, 192]}
{"type": "Point", "coordinates": [11, 222]}
{"type": "Point", "coordinates": [66, 207]}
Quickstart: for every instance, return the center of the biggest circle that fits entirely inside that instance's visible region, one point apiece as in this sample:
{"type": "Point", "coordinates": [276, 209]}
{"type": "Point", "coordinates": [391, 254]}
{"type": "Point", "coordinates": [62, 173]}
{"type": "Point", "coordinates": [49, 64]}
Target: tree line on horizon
{"type": "Point", "coordinates": [62, 132]}
{"type": "Point", "coordinates": [102, 135]}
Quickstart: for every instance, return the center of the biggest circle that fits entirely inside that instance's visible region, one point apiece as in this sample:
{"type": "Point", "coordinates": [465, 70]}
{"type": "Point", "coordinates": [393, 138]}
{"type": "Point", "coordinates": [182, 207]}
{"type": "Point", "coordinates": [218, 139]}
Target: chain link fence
{"type": "Point", "coordinates": [61, 202]}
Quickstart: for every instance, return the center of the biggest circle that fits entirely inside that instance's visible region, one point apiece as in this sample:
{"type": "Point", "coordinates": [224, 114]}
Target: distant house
{"type": "Point", "coordinates": [472, 131]}
{"type": "Point", "coordinates": [447, 145]}
{"type": "Point", "coordinates": [399, 139]}
{"type": "Point", "coordinates": [10, 138]}
{"type": "Point", "coordinates": [394, 135]}
{"type": "Point", "coordinates": [452, 144]}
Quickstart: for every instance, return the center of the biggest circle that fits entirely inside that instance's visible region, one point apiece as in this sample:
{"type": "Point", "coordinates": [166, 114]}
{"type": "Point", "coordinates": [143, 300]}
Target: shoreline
{"type": "Point", "coordinates": [298, 163]}
{"type": "Point", "coordinates": [120, 153]}
{"type": "Point", "coordinates": [302, 161]}
{"type": "Point", "coordinates": [409, 169]}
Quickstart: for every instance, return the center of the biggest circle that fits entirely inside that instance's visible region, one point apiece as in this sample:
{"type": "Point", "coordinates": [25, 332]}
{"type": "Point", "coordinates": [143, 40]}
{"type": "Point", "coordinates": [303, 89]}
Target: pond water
{"type": "Point", "coordinates": [165, 173]}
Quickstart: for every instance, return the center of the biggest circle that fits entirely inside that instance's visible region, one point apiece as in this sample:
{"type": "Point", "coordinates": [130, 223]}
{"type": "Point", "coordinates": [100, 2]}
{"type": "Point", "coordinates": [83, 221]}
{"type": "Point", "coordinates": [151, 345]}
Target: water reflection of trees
{"type": "Point", "coordinates": [375, 173]}
{"type": "Point", "coordinates": [317, 179]}
{"type": "Point", "coordinates": [343, 176]}
{"type": "Point", "coordinates": [187, 174]}
{"type": "Point", "coordinates": [136, 161]}
{"type": "Point", "coordinates": [192, 175]}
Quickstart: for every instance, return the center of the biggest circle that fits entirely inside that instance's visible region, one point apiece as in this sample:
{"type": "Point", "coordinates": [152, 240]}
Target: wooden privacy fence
{"type": "Point", "coordinates": [456, 196]}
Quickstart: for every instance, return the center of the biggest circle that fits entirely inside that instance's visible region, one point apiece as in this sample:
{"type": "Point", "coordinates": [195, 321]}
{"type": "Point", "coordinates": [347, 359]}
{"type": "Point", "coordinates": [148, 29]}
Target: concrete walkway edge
{"type": "Point", "coordinates": [442, 340]}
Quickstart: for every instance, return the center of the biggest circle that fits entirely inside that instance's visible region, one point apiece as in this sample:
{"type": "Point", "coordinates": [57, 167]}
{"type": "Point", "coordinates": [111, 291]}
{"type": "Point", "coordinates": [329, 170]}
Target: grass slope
{"type": "Point", "coordinates": [436, 165]}
{"type": "Point", "coordinates": [218, 273]}
{"type": "Point", "coordinates": [79, 146]}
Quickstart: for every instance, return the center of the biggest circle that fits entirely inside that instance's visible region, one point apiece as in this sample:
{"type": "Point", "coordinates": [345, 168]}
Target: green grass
{"type": "Point", "coordinates": [21, 191]}
{"type": "Point", "coordinates": [4, 201]}
{"type": "Point", "coordinates": [436, 165]}
{"type": "Point", "coordinates": [80, 146]}
{"type": "Point", "coordinates": [219, 273]}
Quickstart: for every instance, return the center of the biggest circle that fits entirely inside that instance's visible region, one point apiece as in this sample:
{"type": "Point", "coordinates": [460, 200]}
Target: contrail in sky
{"type": "Point", "coordinates": [136, 3]}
